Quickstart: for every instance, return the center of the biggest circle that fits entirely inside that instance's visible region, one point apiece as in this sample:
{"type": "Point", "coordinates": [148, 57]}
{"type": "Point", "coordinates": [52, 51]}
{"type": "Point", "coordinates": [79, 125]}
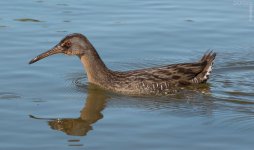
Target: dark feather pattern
{"type": "Point", "coordinates": [149, 81]}
{"type": "Point", "coordinates": [162, 80]}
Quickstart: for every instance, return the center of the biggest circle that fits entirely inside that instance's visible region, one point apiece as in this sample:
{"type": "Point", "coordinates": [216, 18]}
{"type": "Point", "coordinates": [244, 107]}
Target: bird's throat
{"type": "Point", "coordinates": [97, 72]}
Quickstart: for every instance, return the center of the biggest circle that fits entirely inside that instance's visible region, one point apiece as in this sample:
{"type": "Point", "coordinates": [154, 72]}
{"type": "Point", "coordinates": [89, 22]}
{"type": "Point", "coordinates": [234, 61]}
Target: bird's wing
{"type": "Point", "coordinates": [197, 72]}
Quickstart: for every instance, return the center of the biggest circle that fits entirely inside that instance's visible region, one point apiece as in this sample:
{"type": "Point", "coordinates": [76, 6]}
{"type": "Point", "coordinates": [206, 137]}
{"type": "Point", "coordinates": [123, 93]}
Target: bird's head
{"type": "Point", "coordinates": [72, 44]}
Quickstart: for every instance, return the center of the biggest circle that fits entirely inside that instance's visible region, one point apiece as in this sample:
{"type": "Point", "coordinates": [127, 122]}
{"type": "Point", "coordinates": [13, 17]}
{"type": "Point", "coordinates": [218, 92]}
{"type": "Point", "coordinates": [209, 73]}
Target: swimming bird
{"type": "Point", "coordinates": [149, 81]}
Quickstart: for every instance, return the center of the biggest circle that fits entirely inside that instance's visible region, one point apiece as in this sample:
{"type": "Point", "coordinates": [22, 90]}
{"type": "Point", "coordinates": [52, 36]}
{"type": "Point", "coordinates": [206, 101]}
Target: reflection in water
{"type": "Point", "coordinates": [187, 103]}
{"type": "Point", "coordinates": [182, 103]}
{"type": "Point", "coordinates": [90, 113]}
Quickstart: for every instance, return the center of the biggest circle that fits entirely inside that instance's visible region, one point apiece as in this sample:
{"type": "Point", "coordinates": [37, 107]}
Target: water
{"type": "Point", "coordinates": [49, 105]}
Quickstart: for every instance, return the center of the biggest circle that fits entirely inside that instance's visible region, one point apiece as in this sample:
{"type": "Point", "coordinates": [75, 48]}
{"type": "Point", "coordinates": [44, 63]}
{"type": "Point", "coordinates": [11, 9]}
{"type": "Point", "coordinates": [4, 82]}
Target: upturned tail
{"type": "Point", "coordinates": [208, 60]}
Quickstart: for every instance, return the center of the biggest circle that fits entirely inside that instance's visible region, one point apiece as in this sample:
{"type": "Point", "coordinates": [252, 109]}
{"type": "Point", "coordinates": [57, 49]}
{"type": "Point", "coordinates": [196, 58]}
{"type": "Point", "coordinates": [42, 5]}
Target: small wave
{"type": "Point", "coordinates": [9, 95]}
{"type": "Point", "coordinates": [241, 121]}
{"type": "Point", "coordinates": [238, 93]}
{"type": "Point", "coordinates": [27, 20]}
{"type": "Point", "coordinates": [233, 69]}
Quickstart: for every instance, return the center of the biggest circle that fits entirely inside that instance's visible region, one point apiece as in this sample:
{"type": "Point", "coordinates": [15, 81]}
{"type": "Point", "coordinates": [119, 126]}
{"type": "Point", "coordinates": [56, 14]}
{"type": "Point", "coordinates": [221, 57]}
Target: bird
{"type": "Point", "coordinates": [160, 80]}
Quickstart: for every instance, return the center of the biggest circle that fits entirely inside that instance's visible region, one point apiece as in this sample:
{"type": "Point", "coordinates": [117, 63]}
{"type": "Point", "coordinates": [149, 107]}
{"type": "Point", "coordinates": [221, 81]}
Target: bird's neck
{"type": "Point", "coordinates": [97, 71]}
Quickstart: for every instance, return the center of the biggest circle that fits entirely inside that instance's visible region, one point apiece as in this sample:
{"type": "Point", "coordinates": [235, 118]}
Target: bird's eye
{"type": "Point", "coordinates": [67, 44]}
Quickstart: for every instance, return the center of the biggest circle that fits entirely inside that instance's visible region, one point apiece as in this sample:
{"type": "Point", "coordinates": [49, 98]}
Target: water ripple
{"type": "Point", "coordinates": [27, 20]}
{"type": "Point", "coordinates": [9, 96]}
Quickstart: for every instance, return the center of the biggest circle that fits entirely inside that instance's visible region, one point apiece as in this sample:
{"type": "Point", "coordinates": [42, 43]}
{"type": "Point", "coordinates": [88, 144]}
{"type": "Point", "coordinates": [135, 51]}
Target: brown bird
{"type": "Point", "coordinates": [150, 81]}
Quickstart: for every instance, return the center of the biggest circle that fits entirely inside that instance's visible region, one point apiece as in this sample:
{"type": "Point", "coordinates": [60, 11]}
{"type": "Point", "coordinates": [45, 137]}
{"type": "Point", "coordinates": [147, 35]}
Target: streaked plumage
{"type": "Point", "coordinates": [150, 81]}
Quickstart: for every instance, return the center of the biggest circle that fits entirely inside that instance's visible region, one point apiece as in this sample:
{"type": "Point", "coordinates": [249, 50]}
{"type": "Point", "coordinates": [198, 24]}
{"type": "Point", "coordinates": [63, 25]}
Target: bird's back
{"type": "Point", "coordinates": [165, 79]}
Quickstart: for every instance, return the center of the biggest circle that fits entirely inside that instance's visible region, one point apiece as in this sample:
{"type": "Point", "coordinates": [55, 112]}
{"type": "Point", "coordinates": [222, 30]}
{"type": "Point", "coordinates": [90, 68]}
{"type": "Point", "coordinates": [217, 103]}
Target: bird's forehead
{"type": "Point", "coordinates": [72, 37]}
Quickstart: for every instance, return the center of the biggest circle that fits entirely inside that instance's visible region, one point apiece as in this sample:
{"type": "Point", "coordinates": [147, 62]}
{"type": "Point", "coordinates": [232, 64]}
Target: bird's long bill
{"type": "Point", "coordinates": [54, 50]}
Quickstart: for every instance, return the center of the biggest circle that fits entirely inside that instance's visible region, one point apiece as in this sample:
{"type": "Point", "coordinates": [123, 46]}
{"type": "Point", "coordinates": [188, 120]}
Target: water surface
{"type": "Point", "coordinates": [50, 105]}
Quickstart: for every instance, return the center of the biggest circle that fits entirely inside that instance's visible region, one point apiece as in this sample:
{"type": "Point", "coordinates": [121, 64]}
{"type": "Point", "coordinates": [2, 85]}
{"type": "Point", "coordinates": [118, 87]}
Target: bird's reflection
{"type": "Point", "coordinates": [97, 99]}
{"type": "Point", "coordinates": [90, 113]}
{"type": "Point", "coordinates": [197, 101]}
